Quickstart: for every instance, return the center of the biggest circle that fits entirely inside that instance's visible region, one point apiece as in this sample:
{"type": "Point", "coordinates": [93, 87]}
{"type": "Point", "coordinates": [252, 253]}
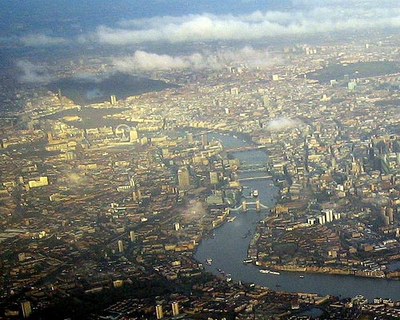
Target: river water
{"type": "Point", "coordinates": [228, 247]}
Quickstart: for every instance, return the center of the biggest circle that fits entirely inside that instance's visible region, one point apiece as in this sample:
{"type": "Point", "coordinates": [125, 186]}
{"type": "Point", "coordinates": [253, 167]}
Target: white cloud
{"type": "Point", "coordinates": [31, 73]}
{"type": "Point", "coordinates": [347, 3]}
{"type": "Point", "coordinates": [144, 61]}
{"type": "Point", "coordinates": [281, 124]}
{"type": "Point", "coordinates": [42, 40]}
{"type": "Point", "coordinates": [318, 16]}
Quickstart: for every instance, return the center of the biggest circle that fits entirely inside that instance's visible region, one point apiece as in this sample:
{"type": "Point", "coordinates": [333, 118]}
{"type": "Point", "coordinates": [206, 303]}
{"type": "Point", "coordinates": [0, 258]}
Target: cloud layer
{"type": "Point", "coordinates": [329, 17]}
{"type": "Point", "coordinates": [281, 124]}
{"type": "Point", "coordinates": [31, 73]}
{"type": "Point", "coordinates": [42, 40]}
{"type": "Point", "coordinates": [144, 61]}
{"type": "Point", "coordinates": [305, 17]}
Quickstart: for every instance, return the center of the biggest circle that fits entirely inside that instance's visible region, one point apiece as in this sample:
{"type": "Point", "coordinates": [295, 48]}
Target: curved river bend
{"type": "Point", "coordinates": [228, 248]}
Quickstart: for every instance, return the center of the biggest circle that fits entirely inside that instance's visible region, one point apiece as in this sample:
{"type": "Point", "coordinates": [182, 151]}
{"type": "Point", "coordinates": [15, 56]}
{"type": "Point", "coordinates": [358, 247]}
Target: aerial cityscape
{"type": "Point", "coordinates": [178, 160]}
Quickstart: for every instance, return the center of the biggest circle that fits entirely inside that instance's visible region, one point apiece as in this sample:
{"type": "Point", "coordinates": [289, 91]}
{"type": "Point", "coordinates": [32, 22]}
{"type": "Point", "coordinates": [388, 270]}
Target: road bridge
{"type": "Point", "coordinates": [253, 167]}
{"type": "Point", "coordinates": [255, 178]}
{"type": "Point", "coordinates": [246, 205]}
{"type": "Point", "coordinates": [246, 148]}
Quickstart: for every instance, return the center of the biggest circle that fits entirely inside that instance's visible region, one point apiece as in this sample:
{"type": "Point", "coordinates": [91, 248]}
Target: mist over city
{"type": "Point", "coordinates": [182, 159]}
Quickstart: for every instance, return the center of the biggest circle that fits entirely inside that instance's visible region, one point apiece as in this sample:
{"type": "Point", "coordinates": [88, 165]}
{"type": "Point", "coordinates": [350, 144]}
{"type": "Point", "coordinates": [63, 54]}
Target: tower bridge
{"type": "Point", "coordinates": [246, 205]}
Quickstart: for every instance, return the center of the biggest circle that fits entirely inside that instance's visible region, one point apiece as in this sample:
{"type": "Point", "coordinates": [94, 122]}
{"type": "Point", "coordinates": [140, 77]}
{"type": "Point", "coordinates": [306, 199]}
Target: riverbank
{"type": "Point", "coordinates": [228, 249]}
{"type": "Point", "coordinates": [329, 270]}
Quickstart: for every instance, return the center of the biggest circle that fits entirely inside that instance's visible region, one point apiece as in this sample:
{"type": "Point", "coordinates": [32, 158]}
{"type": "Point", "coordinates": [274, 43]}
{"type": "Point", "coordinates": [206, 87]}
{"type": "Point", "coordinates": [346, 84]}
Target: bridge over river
{"type": "Point", "coordinates": [254, 178]}
{"type": "Point", "coordinates": [246, 205]}
{"type": "Point", "coordinates": [246, 148]}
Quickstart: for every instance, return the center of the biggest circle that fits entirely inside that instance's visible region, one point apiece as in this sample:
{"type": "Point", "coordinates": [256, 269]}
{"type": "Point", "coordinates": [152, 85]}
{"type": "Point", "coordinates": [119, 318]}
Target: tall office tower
{"type": "Point", "coordinates": [113, 99]}
{"type": "Point", "coordinates": [177, 226]}
{"type": "Point", "coordinates": [120, 246]}
{"type": "Point", "coordinates": [133, 135]}
{"type": "Point", "coordinates": [329, 215]}
{"type": "Point", "coordinates": [26, 309]}
{"type": "Point", "coordinates": [132, 236]}
{"type": "Point", "coordinates": [159, 312]}
{"type": "Point", "coordinates": [175, 308]}
{"type": "Point", "coordinates": [204, 139]}
{"type": "Point", "coordinates": [183, 178]}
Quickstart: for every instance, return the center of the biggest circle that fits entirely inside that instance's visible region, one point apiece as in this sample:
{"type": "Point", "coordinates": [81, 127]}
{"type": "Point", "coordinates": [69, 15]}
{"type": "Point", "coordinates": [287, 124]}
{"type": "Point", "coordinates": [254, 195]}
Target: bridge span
{"type": "Point", "coordinates": [254, 178]}
{"type": "Point", "coordinates": [246, 148]}
{"type": "Point", "coordinates": [246, 205]}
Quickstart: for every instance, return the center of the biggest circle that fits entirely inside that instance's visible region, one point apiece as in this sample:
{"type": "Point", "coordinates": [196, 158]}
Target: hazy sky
{"type": "Point", "coordinates": [144, 24]}
{"type": "Point", "coordinates": [122, 22]}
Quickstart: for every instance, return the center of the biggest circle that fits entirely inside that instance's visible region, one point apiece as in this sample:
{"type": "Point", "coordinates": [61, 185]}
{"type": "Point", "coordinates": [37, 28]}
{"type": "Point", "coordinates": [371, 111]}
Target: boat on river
{"type": "Point", "coordinates": [270, 272]}
{"type": "Point", "coordinates": [248, 233]}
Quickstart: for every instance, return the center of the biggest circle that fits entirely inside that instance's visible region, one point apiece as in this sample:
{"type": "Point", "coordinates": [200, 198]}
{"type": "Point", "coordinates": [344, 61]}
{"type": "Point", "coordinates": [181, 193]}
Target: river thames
{"type": "Point", "coordinates": [228, 247]}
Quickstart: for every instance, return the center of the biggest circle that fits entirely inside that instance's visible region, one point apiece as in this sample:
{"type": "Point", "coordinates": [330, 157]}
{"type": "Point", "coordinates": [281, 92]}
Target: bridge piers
{"type": "Point", "coordinates": [258, 205]}
{"type": "Point", "coordinates": [244, 206]}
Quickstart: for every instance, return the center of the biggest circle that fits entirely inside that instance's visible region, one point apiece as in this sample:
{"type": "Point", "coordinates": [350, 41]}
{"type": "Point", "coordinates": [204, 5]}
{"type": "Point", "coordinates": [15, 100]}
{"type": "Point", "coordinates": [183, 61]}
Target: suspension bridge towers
{"type": "Point", "coordinates": [245, 206]}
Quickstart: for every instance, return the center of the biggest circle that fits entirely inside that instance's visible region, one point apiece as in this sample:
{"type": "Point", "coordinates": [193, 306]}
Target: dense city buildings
{"type": "Point", "coordinates": [104, 205]}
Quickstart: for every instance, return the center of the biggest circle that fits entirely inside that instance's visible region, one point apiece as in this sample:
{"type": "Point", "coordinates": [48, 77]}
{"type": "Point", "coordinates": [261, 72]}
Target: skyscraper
{"type": "Point", "coordinates": [159, 312]}
{"type": "Point", "coordinates": [113, 99]}
{"type": "Point", "coordinates": [120, 246]}
{"type": "Point", "coordinates": [26, 309]}
{"type": "Point", "coordinates": [328, 215]}
{"type": "Point", "coordinates": [175, 308]}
